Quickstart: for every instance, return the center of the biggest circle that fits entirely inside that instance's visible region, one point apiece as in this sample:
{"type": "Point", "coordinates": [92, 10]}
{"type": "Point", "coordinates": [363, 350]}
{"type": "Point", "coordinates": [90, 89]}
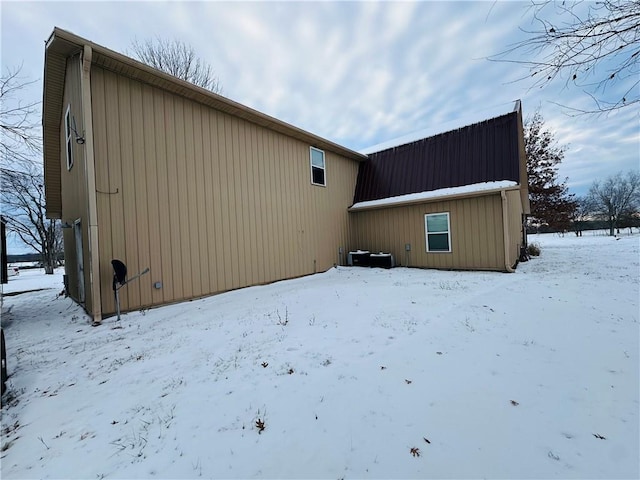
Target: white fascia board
{"type": "Point", "coordinates": [440, 194]}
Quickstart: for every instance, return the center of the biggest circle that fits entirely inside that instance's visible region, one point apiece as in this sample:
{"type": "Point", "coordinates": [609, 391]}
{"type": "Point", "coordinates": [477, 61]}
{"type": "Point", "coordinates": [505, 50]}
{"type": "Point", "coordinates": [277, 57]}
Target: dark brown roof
{"type": "Point", "coordinates": [483, 152]}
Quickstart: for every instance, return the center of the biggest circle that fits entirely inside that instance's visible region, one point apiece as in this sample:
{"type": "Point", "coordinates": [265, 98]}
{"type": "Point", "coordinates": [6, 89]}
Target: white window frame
{"type": "Point", "coordinates": [427, 232]}
{"type": "Point", "coordinates": [68, 137]}
{"type": "Point", "coordinates": [323, 168]}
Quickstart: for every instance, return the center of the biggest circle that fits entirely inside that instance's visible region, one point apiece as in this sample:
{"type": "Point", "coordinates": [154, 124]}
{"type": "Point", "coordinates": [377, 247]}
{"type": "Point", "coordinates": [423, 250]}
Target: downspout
{"type": "Point", "coordinates": [90, 175]}
{"type": "Point", "coordinates": [505, 232]}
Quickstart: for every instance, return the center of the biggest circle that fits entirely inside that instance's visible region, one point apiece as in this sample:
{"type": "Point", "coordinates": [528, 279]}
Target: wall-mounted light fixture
{"type": "Point", "coordinates": [79, 138]}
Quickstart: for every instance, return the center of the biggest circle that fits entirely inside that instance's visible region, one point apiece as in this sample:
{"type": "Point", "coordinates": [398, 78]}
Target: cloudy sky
{"type": "Point", "coordinates": [357, 73]}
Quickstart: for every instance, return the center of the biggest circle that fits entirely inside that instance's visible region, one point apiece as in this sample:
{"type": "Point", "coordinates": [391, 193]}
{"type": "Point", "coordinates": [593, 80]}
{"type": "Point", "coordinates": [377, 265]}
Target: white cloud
{"type": "Point", "coordinates": [358, 73]}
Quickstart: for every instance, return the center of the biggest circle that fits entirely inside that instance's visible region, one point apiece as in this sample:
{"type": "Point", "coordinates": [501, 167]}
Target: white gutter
{"type": "Point", "coordinates": [451, 193]}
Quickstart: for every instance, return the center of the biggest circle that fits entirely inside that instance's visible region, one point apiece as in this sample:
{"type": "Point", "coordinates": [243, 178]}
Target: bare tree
{"type": "Point", "coordinates": [178, 59]}
{"type": "Point", "coordinates": [19, 127]}
{"type": "Point", "coordinates": [581, 214]}
{"type": "Point", "coordinates": [23, 205]}
{"type": "Point", "coordinates": [592, 45]}
{"type": "Point", "coordinates": [616, 197]}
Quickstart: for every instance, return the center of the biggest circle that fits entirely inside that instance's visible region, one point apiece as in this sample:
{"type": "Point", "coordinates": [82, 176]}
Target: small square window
{"type": "Point", "coordinates": [317, 167]}
{"type": "Point", "coordinates": [68, 137]}
{"type": "Point", "coordinates": [437, 232]}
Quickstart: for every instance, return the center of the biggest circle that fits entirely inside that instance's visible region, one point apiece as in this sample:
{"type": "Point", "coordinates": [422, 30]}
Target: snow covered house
{"type": "Point", "coordinates": [212, 195]}
{"type": "Point", "coordinates": [156, 172]}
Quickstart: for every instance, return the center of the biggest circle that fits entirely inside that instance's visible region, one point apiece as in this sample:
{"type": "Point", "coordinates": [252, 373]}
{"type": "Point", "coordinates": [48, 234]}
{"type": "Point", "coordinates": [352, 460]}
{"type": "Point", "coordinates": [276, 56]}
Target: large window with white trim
{"type": "Point", "coordinates": [437, 232]}
{"type": "Point", "coordinates": [318, 176]}
{"type": "Point", "coordinates": [68, 138]}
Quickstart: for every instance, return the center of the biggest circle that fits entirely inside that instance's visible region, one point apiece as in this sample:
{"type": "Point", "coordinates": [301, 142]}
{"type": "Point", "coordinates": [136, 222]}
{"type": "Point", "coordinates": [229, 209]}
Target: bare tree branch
{"type": "Point", "coordinates": [592, 45]}
{"type": "Point", "coordinates": [178, 59]}
{"type": "Point", "coordinates": [23, 206]}
{"type": "Point", "coordinates": [19, 127]}
{"type": "Point", "coordinates": [615, 197]}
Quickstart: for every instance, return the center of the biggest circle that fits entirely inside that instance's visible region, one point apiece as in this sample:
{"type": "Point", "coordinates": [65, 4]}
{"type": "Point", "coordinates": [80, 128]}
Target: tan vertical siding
{"type": "Point", "coordinates": [514, 215]}
{"type": "Point", "coordinates": [153, 242]}
{"type": "Point", "coordinates": [183, 220]}
{"type": "Point", "coordinates": [208, 218]}
{"type": "Point", "coordinates": [107, 159]}
{"type": "Point", "coordinates": [191, 210]}
{"type": "Point", "coordinates": [143, 198]}
{"type": "Point", "coordinates": [476, 233]}
{"type": "Point", "coordinates": [73, 183]}
{"type": "Point", "coordinates": [224, 206]}
{"type": "Point", "coordinates": [208, 201]}
{"type": "Point", "coordinates": [101, 140]}
{"type": "Point", "coordinates": [172, 202]}
{"type": "Point", "coordinates": [254, 200]}
{"type": "Point", "coordinates": [129, 229]}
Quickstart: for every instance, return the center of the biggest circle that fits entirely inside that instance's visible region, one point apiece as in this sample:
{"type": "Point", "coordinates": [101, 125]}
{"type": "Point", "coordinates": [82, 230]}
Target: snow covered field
{"type": "Point", "coordinates": [352, 373]}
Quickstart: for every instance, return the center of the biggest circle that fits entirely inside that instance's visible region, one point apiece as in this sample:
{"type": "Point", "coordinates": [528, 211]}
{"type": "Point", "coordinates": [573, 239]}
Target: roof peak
{"type": "Point", "coordinates": [471, 118]}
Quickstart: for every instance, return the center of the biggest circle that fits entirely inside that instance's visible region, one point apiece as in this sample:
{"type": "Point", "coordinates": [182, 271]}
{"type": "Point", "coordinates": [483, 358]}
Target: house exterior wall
{"type": "Point", "coordinates": [514, 224]}
{"type": "Point", "coordinates": [209, 201]}
{"type": "Point", "coordinates": [476, 233]}
{"type": "Point", "coordinates": [73, 184]}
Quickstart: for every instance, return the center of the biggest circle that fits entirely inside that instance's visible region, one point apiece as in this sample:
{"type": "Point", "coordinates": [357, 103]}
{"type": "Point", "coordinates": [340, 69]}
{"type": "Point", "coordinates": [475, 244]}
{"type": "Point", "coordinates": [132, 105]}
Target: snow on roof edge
{"type": "Point", "coordinates": [483, 187]}
{"type": "Point", "coordinates": [460, 122]}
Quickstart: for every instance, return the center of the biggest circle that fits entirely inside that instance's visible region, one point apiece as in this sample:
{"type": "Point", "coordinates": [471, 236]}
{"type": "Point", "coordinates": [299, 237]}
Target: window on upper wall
{"type": "Point", "coordinates": [318, 176]}
{"type": "Point", "coordinates": [438, 232]}
{"type": "Point", "coordinates": [68, 138]}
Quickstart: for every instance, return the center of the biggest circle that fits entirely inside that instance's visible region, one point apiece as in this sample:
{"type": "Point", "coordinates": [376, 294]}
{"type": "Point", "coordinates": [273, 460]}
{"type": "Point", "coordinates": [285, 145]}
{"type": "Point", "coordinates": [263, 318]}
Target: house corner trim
{"type": "Point", "coordinates": [90, 175]}
{"type": "Point", "coordinates": [505, 231]}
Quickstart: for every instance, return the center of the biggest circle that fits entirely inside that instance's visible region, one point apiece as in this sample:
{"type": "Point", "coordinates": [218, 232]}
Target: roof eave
{"type": "Point", "coordinates": [56, 53]}
{"type": "Point", "coordinates": [127, 66]}
{"type": "Point", "coordinates": [440, 198]}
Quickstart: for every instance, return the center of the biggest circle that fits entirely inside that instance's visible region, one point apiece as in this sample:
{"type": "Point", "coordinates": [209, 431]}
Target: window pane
{"type": "Point", "coordinates": [318, 175]}
{"type": "Point", "coordinates": [437, 223]}
{"type": "Point", "coordinates": [317, 158]}
{"type": "Point", "coordinates": [438, 242]}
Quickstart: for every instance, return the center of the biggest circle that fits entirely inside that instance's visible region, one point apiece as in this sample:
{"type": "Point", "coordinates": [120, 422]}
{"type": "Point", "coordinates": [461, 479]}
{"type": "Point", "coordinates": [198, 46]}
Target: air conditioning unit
{"type": "Point", "coordinates": [382, 260]}
{"type": "Point", "coordinates": [359, 258]}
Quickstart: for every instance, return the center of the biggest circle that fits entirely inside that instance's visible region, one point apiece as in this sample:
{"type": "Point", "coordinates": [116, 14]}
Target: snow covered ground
{"type": "Point", "coordinates": [351, 373]}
